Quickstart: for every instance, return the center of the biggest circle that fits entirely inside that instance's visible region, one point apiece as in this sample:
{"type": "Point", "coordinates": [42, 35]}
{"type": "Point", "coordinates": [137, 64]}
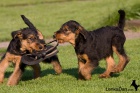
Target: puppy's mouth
{"type": "Point", "coordinates": [60, 41]}
{"type": "Point", "coordinates": [36, 49]}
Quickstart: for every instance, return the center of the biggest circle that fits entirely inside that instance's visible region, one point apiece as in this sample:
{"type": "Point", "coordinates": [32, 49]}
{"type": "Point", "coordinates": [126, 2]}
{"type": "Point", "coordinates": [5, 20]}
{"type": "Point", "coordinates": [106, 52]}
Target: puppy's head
{"type": "Point", "coordinates": [68, 32]}
{"type": "Point", "coordinates": [29, 39]}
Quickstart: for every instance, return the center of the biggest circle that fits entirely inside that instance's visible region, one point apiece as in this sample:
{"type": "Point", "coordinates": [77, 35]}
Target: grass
{"type": "Point", "coordinates": [67, 81]}
{"type": "Point", "coordinates": [135, 14]}
{"type": "Point", "coordinates": [49, 15]}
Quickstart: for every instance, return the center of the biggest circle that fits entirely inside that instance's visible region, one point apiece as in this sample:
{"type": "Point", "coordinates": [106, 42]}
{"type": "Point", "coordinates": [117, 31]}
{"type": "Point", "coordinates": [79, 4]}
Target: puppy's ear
{"type": "Point", "coordinates": [75, 26]}
{"type": "Point", "coordinates": [40, 35]}
{"type": "Point", "coordinates": [81, 31]}
{"type": "Point", "coordinates": [17, 34]}
{"type": "Point", "coordinates": [27, 22]}
{"type": "Point", "coordinates": [83, 34]}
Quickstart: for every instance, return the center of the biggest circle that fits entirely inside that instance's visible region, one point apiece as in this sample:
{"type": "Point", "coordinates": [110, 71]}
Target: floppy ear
{"type": "Point", "coordinates": [83, 34]}
{"type": "Point", "coordinates": [17, 34]}
{"type": "Point", "coordinates": [81, 31]}
{"type": "Point", "coordinates": [40, 35]}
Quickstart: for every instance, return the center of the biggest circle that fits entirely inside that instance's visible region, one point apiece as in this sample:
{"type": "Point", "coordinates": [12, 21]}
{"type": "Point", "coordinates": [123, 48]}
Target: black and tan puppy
{"type": "Point", "coordinates": [92, 46]}
{"type": "Point", "coordinates": [24, 41]}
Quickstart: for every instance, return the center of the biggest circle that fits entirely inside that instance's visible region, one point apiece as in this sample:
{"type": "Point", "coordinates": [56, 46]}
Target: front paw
{"type": "Point", "coordinates": [12, 83]}
{"type": "Point", "coordinates": [104, 75]}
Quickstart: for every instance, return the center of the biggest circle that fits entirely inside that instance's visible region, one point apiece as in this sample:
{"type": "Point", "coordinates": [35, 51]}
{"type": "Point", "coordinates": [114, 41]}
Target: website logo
{"type": "Point", "coordinates": [120, 88]}
{"type": "Point", "coordinates": [135, 85]}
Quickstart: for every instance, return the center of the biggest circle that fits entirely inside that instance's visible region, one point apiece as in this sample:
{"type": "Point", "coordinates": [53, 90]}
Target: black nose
{"type": "Point", "coordinates": [41, 41]}
{"type": "Point", "coordinates": [54, 36]}
{"type": "Point", "coordinates": [40, 47]}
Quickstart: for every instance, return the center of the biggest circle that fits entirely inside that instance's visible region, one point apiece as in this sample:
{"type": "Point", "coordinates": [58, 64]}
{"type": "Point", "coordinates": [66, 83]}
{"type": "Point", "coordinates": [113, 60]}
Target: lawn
{"type": "Point", "coordinates": [49, 15]}
{"type": "Point", "coordinates": [67, 81]}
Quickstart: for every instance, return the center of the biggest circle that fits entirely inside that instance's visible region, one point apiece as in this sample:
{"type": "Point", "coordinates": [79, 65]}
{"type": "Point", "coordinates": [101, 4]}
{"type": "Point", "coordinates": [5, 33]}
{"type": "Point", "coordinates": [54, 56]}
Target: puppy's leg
{"type": "Point", "coordinates": [123, 58]}
{"type": "Point", "coordinates": [110, 67]}
{"type": "Point", "coordinates": [80, 66]}
{"type": "Point", "coordinates": [56, 64]}
{"type": "Point", "coordinates": [16, 75]}
{"type": "Point", "coordinates": [87, 69]}
{"type": "Point", "coordinates": [3, 65]}
{"type": "Point", "coordinates": [37, 70]}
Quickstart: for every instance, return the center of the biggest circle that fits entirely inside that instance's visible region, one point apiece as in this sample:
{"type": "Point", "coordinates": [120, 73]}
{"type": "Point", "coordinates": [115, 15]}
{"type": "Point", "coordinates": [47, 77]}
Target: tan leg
{"type": "Point", "coordinates": [3, 65]}
{"type": "Point", "coordinates": [56, 64]}
{"type": "Point", "coordinates": [87, 70]}
{"type": "Point", "coordinates": [37, 71]}
{"type": "Point", "coordinates": [16, 75]}
{"type": "Point", "coordinates": [57, 67]}
{"type": "Point", "coordinates": [85, 66]}
{"type": "Point", "coordinates": [123, 61]}
{"type": "Point", "coordinates": [110, 67]}
{"type": "Point", "coordinates": [80, 66]}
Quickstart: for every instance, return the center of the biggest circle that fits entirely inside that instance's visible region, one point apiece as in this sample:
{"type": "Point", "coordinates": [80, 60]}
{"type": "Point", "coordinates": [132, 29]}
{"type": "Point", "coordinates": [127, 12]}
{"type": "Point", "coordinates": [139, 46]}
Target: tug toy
{"type": "Point", "coordinates": [35, 58]}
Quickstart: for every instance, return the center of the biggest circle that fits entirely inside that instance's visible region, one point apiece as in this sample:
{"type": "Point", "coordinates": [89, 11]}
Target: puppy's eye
{"type": "Point", "coordinates": [31, 38]}
{"type": "Point", "coordinates": [65, 30]}
{"type": "Point", "coordinates": [35, 38]}
{"type": "Point", "coordinates": [28, 38]}
{"type": "Point", "coordinates": [19, 34]}
{"type": "Point", "coordinates": [67, 33]}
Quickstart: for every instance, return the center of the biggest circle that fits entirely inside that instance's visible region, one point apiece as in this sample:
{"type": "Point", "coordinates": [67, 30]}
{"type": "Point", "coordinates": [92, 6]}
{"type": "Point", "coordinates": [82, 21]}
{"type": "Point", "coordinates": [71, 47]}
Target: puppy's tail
{"type": "Point", "coordinates": [27, 22]}
{"type": "Point", "coordinates": [121, 22]}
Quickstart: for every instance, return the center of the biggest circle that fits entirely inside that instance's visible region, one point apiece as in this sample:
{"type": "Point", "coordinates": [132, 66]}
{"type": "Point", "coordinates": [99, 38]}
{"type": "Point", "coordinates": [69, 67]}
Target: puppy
{"type": "Point", "coordinates": [92, 46]}
{"type": "Point", "coordinates": [24, 41]}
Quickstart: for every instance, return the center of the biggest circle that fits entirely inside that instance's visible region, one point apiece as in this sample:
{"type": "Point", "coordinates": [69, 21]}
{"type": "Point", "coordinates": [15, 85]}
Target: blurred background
{"type": "Point", "coordinates": [49, 15]}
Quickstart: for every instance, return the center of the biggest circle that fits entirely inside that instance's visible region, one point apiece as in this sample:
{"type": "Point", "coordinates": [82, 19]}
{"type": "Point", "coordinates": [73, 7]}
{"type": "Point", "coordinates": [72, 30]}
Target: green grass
{"type": "Point", "coordinates": [67, 81]}
{"type": "Point", "coordinates": [49, 15]}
